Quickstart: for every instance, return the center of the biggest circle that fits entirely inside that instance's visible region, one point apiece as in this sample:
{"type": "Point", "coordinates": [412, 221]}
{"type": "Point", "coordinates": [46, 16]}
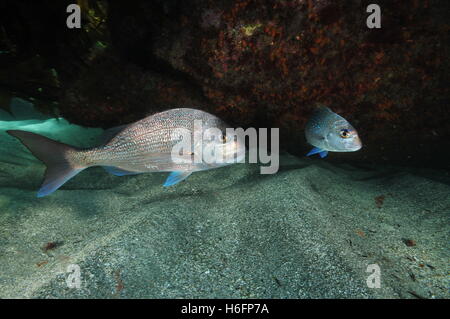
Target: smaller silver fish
{"type": "Point", "coordinates": [329, 132]}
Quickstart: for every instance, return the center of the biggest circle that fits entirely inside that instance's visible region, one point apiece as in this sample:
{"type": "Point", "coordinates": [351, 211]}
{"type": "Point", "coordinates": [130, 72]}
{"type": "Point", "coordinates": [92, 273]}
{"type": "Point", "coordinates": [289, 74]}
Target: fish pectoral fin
{"type": "Point", "coordinates": [323, 154]}
{"type": "Point", "coordinates": [316, 150]}
{"type": "Point", "coordinates": [176, 177]}
{"type": "Point", "coordinates": [118, 171]}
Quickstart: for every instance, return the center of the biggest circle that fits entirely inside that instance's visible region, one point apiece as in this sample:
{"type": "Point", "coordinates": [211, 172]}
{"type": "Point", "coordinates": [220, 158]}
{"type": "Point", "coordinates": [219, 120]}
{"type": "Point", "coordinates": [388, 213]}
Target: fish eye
{"type": "Point", "coordinates": [345, 133]}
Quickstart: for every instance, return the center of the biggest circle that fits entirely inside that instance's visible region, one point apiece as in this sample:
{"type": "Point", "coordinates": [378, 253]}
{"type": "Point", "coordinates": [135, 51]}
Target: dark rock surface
{"type": "Point", "coordinates": [259, 63]}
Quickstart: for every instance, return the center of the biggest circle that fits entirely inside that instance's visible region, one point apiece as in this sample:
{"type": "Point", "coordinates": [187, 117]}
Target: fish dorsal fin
{"type": "Point", "coordinates": [110, 133]}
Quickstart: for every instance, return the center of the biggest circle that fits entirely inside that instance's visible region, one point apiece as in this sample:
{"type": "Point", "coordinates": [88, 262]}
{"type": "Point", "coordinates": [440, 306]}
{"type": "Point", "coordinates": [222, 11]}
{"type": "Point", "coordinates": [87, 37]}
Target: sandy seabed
{"type": "Point", "coordinates": [309, 231]}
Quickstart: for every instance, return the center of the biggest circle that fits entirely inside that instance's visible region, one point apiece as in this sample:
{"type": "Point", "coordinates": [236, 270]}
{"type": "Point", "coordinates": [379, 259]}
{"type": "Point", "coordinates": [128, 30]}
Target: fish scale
{"type": "Point", "coordinates": [144, 146]}
{"type": "Point", "coordinates": [151, 136]}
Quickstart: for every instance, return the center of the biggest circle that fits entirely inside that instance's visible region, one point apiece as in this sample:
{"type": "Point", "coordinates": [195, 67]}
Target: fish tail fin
{"type": "Point", "coordinates": [54, 155]}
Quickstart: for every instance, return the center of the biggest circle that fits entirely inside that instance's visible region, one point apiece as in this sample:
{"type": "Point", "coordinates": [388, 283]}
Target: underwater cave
{"type": "Point", "coordinates": [88, 175]}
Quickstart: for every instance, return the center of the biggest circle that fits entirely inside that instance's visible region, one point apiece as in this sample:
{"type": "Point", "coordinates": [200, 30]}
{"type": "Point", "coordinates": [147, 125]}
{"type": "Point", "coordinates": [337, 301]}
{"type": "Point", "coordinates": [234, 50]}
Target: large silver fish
{"type": "Point", "coordinates": [144, 146]}
{"type": "Point", "coordinates": [329, 132]}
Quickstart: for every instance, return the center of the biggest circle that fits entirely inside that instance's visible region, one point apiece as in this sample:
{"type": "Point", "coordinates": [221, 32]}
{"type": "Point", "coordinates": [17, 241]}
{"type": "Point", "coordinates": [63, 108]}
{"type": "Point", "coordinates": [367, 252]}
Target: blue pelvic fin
{"type": "Point", "coordinates": [176, 177]}
{"type": "Point", "coordinates": [323, 154]}
{"type": "Point", "coordinates": [315, 150]}
{"type": "Point", "coordinates": [319, 151]}
{"type": "Point", "coordinates": [118, 171]}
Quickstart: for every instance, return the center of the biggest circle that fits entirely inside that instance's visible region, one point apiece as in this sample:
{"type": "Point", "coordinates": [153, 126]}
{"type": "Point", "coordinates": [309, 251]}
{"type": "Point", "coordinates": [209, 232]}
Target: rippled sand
{"type": "Point", "coordinates": [310, 231]}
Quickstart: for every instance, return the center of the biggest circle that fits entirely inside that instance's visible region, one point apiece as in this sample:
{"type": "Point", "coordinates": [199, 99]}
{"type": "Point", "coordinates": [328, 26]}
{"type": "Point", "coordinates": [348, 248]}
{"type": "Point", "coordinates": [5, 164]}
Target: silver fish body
{"type": "Point", "coordinates": [330, 132]}
{"type": "Point", "coordinates": [144, 146]}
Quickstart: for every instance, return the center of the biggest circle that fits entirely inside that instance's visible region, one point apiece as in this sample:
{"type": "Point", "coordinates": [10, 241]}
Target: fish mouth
{"type": "Point", "coordinates": [357, 145]}
{"type": "Point", "coordinates": [351, 146]}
